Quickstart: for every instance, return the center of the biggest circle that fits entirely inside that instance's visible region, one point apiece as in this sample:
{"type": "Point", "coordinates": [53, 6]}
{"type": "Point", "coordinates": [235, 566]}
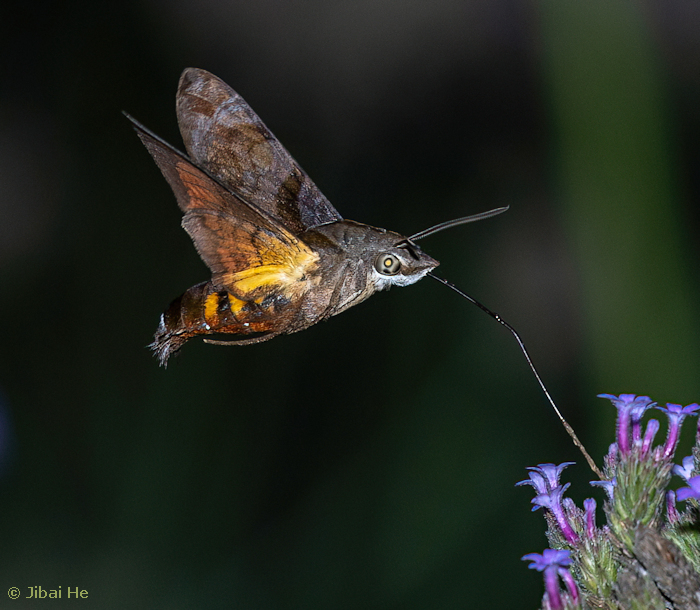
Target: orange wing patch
{"type": "Point", "coordinates": [282, 270]}
{"type": "Point", "coordinates": [249, 253]}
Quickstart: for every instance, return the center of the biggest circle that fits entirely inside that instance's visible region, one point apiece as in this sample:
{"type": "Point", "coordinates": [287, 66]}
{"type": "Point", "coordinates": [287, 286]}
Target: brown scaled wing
{"type": "Point", "coordinates": [223, 135]}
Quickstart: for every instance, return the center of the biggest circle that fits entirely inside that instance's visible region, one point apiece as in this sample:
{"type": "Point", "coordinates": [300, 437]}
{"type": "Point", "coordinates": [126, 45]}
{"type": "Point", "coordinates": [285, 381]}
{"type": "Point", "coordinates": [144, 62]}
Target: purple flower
{"type": "Point", "coordinates": [549, 558]}
{"type": "Point", "coordinates": [642, 404]}
{"type": "Point", "coordinates": [671, 510]}
{"type": "Point", "coordinates": [544, 477]}
{"type": "Point", "coordinates": [608, 486]}
{"type": "Point", "coordinates": [676, 414]}
{"type": "Point", "coordinates": [685, 471]}
{"type": "Point", "coordinates": [649, 434]}
{"type": "Point", "coordinates": [536, 480]}
{"type": "Point", "coordinates": [589, 506]}
{"type": "Point", "coordinates": [554, 564]}
{"type": "Point", "coordinates": [570, 584]}
{"type": "Point", "coordinates": [630, 409]}
{"type": "Point", "coordinates": [610, 458]}
{"type": "Point", "coordinates": [569, 506]}
{"type": "Point", "coordinates": [552, 501]}
{"type": "Point", "coordinates": [690, 492]}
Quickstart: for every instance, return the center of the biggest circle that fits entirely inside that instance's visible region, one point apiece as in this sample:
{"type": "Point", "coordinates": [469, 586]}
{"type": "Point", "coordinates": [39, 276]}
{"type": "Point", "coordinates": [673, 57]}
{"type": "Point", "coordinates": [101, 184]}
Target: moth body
{"type": "Point", "coordinates": [282, 258]}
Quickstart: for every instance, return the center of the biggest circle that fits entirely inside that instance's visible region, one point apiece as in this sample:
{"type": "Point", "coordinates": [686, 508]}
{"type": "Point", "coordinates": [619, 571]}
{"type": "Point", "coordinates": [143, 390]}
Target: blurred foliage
{"type": "Point", "coordinates": [297, 473]}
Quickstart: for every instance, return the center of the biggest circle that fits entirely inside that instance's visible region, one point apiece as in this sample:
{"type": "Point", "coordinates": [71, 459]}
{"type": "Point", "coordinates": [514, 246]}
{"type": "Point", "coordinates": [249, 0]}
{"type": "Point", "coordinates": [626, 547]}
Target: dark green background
{"type": "Point", "coordinates": [369, 461]}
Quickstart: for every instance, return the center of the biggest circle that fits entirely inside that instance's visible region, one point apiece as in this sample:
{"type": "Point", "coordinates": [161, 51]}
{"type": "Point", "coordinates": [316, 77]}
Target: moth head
{"type": "Point", "coordinates": [405, 263]}
{"type": "Point", "coordinates": [400, 264]}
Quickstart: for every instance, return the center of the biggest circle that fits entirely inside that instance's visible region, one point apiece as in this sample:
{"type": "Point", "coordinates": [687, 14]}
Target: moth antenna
{"type": "Point", "coordinates": [500, 320]}
{"type": "Point", "coordinates": [456, 222]}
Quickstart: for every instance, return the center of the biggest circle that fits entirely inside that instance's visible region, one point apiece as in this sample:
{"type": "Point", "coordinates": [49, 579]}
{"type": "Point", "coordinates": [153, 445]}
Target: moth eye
{"type": "Point", "coordinates": [387, 264]}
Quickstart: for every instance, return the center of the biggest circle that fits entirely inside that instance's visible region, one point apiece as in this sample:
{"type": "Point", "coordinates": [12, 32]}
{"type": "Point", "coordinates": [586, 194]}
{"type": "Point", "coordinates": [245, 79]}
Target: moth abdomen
{"type": "Point", "coordinates": [206, 309]}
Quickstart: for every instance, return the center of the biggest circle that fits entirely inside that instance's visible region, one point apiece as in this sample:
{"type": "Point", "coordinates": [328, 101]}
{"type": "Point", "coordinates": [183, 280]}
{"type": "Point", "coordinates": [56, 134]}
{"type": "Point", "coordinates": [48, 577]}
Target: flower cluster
{"type": "Point", "coordinates": [622, 564]}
